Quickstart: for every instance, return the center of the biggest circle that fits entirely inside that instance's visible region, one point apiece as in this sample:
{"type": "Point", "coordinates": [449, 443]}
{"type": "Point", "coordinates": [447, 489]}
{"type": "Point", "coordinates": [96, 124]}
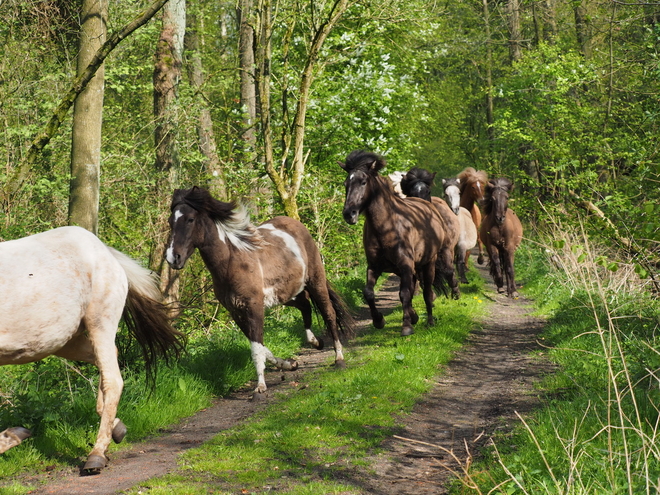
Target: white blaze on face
{"type": "Point", "coordinates": [454, 197]}
{"type": "Point", "coordinates": [270, 296]}
{"type": "Point", "coordinates": [169, 254]}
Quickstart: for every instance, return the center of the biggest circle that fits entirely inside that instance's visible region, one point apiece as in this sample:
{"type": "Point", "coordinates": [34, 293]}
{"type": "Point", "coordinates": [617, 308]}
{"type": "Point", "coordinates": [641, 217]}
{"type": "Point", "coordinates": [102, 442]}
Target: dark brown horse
{"type": "Point", "coordinates": [400, 236]}
{"type": "Point", "coordinates": [501, 232]}
{"type": "Point", "coordinates": [473, 186]}
{"type": "Point", "coordinates": [417, 183]}
{"type": "Point", "coordinates": [254, 268]}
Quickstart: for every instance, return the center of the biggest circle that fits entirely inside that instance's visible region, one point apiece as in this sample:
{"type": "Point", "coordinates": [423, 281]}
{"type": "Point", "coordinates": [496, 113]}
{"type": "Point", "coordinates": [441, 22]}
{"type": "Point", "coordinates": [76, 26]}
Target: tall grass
{"type": "Point", "coordinates": [598, 431]}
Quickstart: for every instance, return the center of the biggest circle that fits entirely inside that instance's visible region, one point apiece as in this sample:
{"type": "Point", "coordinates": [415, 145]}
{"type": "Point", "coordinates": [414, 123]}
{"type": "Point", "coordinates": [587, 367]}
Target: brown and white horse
{"type": "Point", "coordinates": [473, 187]}
{"type": "Point", "coordinates": [401, 236]}
{"type": "Point", "coordinates": [256, 267]}
{"type": "Point", "coordinates": [63, 293]}
{"type": "Point", "coordinates": [501, 232]}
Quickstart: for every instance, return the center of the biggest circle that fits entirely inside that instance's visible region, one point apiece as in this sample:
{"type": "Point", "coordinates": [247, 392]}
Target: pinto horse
{"type": "Point", "coordinates": [472, 186]}
{"type": "Point", "coordinates": [501, 232]}
{"type": "Point", "coordinates": [254, 268]}
{"type": "Point", "coordinates": [417, 183]}
{"type": "Point", "coordinates": [468, 232]}
{"type": "Point", "coordinates": [400, 236]}
{"type": "Point", "coordinates": [63, 293]}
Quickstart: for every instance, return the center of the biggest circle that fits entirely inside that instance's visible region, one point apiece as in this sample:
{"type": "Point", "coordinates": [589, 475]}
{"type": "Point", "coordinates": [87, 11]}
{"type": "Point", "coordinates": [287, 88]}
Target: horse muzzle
{"type": "Point", "coordinates": [351, 216]}
{"type": "Point", "coordinates": [500, 219]}
{"type": "Point", "coordinates": [175, 260]}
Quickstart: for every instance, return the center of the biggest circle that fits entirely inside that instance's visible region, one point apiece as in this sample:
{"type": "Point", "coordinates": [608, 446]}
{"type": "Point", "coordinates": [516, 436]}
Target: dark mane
{"type": "Point", "coordinates": [470, 176]}
{"type": "Point", "coordinates": [414, 176]}
{"type": "Point", "coordinates": [231, 217]}
{"type": "Point", "coordinates": [491, 186]}
{"type": "Point", "coordinates": [365, 160]}
{"type": "Point", "coordinates": [452, 181]}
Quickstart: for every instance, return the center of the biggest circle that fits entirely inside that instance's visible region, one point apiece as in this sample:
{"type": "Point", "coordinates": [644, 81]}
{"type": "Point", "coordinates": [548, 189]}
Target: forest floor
{"type": "Point", "coordinates": [474, 397]}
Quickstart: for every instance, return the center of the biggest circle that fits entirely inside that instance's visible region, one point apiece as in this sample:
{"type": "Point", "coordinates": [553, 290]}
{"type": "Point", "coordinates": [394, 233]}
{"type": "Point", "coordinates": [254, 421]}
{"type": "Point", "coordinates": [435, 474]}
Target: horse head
{"type": "Point", "coordinates": [417, 183]}
{"type": "Point", "coordinates": [452, 193]}
{"type": "Point", "coordinates": [190, 208]}
{"type": "Point", "coordinates": [497, 198]}
{"type": "Point", "coordinates": [362, 168]}
{"type": "Point", "coordinates": [473, 183]}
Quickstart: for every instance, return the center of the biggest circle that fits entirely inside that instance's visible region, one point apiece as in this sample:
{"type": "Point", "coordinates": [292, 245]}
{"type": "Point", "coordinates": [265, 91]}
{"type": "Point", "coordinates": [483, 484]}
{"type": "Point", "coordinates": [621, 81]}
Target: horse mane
{"type": "Point", "coordinates": [469, 175]}
{"type": "Point", "coordinates": [231, 219]}
{"type": "Point", "coordinates": [491, 185]}
{"type": "Point", "coordinates": [414, 176]}
{"type": "Point", "coordinates": [365, 160]}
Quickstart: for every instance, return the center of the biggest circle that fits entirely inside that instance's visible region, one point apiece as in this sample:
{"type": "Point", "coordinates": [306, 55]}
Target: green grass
{"type": "Point", "coordinates": [319, 431]}
{"type": "Point", "coordinates": [597, 431]}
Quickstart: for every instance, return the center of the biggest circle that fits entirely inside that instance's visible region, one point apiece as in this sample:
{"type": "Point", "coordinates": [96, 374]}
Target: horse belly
{"type": "Point", "coordinates": [40, 308]}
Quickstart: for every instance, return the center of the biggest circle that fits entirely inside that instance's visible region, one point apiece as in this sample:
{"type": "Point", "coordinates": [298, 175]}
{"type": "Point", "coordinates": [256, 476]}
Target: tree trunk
{"type": "Point", "coordinates": [205, 134]}
{"type": "Point", "coordinates": [583, 28]}
{"type": "Point", "coordinates": [166, 78]}
{"type": "Point", "coordinates": [247, 73]}
{"type": "Point", "coordinates": [549, 20]}
{"type": "Point", "coordinates": [513, 19]}
{"type": "Point", "coordinates": [490, 112]}
{"type": "Point", "coordinates": [87, 120]}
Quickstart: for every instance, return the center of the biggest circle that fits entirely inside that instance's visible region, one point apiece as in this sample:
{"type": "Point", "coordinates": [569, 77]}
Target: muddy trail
{"type": "Point", "coordinates": [477, 394]}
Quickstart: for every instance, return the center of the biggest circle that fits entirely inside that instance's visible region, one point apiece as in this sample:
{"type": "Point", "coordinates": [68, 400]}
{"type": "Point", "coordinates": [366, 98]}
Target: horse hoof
{"type": "Point", "coordinates": [379, 322]}
{"type": "Point", "coordinates": [340, 364]}
{"type": "Point", "coordinates": [430, 321]}
{"type": "Point", "coordinates": [319, 344]}
{"type": "Point", "coordinates": [19, 432]}
{"type": "Point", "coordinates": [406, 331]}
{"type": "Point", "coordinates": [119, 432]}
{"type": "Point", "coordinates": [464, 280]}
{"type": "Point", "coordinates": [500, 290]}
{"type": "Point", "coordinates": [414, 318]}
{"type": "Point", "coordinates": [514, 295]}
{"type": "Point", "coordinates": [456, 295]}
{"type": "Point", "coordinates": [290, 365]}
{"type": "Point", "coordinates": [480, 259]}
{"type": "Point", "coordinates": [94, 465]}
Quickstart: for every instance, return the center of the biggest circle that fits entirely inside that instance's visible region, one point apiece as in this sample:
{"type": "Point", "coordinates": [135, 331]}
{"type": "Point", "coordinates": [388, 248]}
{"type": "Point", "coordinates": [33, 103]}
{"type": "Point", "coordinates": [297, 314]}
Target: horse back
{"type": "Point", "coordinates": [450, 220]}
{"type": "Point", "coordinates": [49, 282]}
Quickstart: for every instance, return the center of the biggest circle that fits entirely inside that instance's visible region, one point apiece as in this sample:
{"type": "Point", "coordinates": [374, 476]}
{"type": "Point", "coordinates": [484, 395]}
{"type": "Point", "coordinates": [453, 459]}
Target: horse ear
{"type": "Point", "coordinates": [341, 164]}
{"type": "Point", "coordinates": [373, 165]}
{"type": "Point", "coordinates": [458, 181]}
{"type": "Point", "coordinates": [444, 181]}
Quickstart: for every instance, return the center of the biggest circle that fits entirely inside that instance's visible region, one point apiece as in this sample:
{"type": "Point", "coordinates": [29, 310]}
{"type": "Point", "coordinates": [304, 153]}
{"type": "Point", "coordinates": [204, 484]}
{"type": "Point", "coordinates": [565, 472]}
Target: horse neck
{"type": "Point", "coordinates": [215, 252]}
{"type": "Point", "coordinates": [379, 211]}
{"type": "Point", "coordinates": [467, 199]}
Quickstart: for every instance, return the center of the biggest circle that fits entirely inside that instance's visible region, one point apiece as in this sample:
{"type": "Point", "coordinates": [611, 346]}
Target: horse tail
{"type": "Point", "coordinates": [440, 279]}
{"type": "Point", "coordinates": [345, 320]}
{"type": "Point", "coordinates": [146, 316]}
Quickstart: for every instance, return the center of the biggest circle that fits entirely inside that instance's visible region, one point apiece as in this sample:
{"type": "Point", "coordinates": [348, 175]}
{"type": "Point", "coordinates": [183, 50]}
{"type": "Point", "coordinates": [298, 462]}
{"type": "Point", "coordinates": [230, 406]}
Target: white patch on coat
{"type": "Point", "coordinates": [238, 230]}
{"type": "Point", "coordinates": [169, 253]}
{"type": "Point", "coordinates": [292, 246]}
{"type": "Point", "coordinates": [453, 195]}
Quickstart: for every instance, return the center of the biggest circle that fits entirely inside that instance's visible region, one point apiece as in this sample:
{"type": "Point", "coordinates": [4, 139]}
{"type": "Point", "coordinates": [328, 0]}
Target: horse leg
{"type": "Point", "coordinates": [301, 302]}
{"type": "Point", "coordinates": [406, 290]}
{"type": "Point", "coordinates": [251, 322]}
{"type": "Point", "coordinates": [12, 437]}
{"type": "Point", "coordinates": [507, 261]}
{"type": "Point", "coordinates": [80, 349]}
{"type": "Point", "coordinates": [370, 297]}
{"type": "Point", "coordinates": [496, 268]}
{"type": "Point", "coordinates": [461, 263]}
{"type": "Point", "coordinates": [428, 275]}
{"type": "Point", "coordinates": [102, 330]}
{"type": "Point", "coordinates": [319, 293]}
{"type": "Point", "coordinates": [448, 271]}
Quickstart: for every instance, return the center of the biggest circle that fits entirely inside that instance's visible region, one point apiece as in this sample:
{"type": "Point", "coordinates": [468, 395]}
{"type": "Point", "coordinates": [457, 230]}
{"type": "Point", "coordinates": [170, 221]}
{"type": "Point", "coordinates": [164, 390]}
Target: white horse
{"type": "Point", "coordinates": [63, 292]}
{"type": "Point", "coordinates": [467, 230]}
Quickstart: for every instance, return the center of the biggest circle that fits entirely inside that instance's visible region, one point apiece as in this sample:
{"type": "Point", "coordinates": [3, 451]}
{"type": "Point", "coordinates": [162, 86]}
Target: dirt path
{"type": "Point", "coordinates": [482, 387]}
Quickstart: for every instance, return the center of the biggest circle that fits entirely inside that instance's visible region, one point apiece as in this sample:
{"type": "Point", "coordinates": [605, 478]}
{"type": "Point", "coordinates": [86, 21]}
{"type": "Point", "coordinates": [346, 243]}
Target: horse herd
{"type": "Point", "coordinates": [64, 292]}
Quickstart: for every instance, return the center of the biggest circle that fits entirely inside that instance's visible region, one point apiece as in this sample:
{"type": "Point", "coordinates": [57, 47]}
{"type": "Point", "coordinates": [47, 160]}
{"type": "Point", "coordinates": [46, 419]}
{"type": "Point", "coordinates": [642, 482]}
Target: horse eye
{"type": "Point", "coordinates": [191, 220]}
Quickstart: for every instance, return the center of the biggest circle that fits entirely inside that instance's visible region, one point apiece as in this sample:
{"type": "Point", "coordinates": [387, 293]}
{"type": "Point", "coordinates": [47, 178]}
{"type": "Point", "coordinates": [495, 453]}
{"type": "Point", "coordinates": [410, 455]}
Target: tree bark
{"type": "Point", "coordinates": [87, 121]}
{"type": "Point", "coordinates": [583, 28]}
{"type": "Point", "coordinates": [168, 60]}
{"type": "Point", "coordinates": [247, 73]}
{"type": "Point", "coordinates": [79, 83]}
{"type": "Point", "coordinates": [513, 19]}
{"type": "Point", "coordinates": [490, 112]}
{"type": "Point", "coordinates": [205, 134]}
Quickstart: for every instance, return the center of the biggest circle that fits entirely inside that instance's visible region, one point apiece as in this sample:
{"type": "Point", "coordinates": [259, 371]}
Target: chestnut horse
{"type": "Point", "coordinates": [468, 232]}
{"type": "Point", "coordinates": [63, 293]}
{"type": "Point", "coordinates": [501, 232]}
{"type": "Point", "coordinates": [472, 185]}
{"type": "Point", "coordinates": [401, 236]}
{"type": "Point", "coordinates": [254, 268]}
